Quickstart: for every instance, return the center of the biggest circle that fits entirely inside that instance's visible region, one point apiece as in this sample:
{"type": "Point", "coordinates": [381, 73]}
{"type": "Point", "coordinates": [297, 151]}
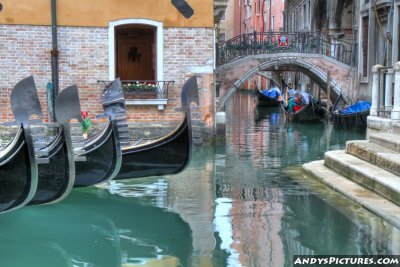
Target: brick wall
{"type": "Point", "coordinates": [83, 60]}
{"type": "Point", "coordinates": [24, 51]}
{"type": "Point", "coordinates": [190, 52]}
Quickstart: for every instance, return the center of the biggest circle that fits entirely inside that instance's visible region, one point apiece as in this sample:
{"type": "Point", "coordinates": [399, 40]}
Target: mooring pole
{"type": "Point", "coordinates": [54, 59]}
{"type": "Point", "coordinates": [328, 92]}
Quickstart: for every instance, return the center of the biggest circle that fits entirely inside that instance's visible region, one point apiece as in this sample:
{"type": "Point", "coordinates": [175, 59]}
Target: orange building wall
{"type": "Point", "coordinates": [98, 13]}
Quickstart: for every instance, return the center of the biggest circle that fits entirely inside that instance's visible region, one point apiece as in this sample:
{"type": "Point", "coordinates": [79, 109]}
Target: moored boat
{"type": "Point", "coordinates": [55, 167]}
{"type": "Point", "coordinates": [309, 111]}
{"type": "Point", "coordinates": [18, 165]}
{"type": "Point", "coordinates": [167, 155]}
{"type": "Point", "coordinates": [98, 159]}
{"type": "Point", "coordinates": [354, 116]}
{"type": "Point", "coordinates": [264, 100]}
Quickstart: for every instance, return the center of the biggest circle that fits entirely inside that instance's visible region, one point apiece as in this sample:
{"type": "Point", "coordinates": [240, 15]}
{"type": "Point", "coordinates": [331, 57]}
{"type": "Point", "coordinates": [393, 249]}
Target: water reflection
{"type": "Point", "coordinates": [240, 204]}
{"type": "Point", "coordinates": [264, 217]}
{"type": "Point", "coordinates": [94, 228]}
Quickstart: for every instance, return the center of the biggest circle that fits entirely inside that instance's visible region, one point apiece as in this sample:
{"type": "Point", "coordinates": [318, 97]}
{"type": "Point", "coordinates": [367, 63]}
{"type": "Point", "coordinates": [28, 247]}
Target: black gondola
{"type": "Point", "coordinates": [348, 121]}
{"type": "Point", "coordinates": [167, 155]}
{"type": "Point", "coordinates": [263, 100]}
{"type": "Point", "coordinates": [18, 165]}
{"type": "Point", "coordinates": [98, 159]}
{"type": "Point", "coordinates": [55, 164]}
{"type": "Point", "coordinates": [308, 112]}
{"type": "Point", "coordinates": [57, 175]}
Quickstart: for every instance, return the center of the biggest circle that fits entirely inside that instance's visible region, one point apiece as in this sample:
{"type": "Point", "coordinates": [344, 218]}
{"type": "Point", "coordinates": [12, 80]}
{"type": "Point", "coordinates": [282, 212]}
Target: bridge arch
{"type": "Point", "coordinates": [234, 74]}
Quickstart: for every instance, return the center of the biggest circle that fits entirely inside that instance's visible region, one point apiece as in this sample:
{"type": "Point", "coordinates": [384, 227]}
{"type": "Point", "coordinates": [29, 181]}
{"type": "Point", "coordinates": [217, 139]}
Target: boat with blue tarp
{"type": "Point", "coordinates": [350, 116]}
{"type": "Point", "coordinates": [268, 97]}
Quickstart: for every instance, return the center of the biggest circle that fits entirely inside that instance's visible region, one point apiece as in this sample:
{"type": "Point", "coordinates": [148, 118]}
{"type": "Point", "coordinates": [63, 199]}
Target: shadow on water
{"type": "Point", "coordinates": [94, 228]}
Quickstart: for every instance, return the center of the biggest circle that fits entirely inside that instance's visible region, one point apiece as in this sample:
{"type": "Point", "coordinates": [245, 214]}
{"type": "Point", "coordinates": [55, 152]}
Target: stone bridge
{"type": "Point", "coordinates": [324, 62]}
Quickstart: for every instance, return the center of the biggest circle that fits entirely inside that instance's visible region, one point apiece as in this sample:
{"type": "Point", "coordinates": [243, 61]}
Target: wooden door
{"type": "Point", "coordinates": [135, 58]}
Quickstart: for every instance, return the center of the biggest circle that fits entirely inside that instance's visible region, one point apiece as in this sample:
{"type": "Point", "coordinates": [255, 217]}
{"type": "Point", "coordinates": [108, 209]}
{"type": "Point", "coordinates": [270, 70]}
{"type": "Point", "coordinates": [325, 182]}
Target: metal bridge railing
{"type": "Point", "coordinates": [284, 42]}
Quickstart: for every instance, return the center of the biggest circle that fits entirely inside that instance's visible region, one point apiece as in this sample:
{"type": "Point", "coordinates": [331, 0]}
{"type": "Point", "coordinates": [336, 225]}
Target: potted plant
{"type": "Point", "coordinates": [140, 89]}
{"type": "Point", "coordinates": [86, 123]}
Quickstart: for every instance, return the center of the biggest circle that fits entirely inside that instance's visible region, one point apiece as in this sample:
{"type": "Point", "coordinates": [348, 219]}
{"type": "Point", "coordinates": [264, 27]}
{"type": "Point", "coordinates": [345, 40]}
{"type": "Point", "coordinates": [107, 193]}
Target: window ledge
{"type": "Point", "coordinates": [145, 102]}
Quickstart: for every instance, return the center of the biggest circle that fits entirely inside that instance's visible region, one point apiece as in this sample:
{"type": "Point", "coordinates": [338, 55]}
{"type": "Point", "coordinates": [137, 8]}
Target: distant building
{"type": "Point", "coordinates": [370, 27]}
{"type": "Point", "coordinates": [225, 27]}
{"type": "Point", "coordinates": [249, 16]}
{"type": "Point", "coordinates": [258, 15]}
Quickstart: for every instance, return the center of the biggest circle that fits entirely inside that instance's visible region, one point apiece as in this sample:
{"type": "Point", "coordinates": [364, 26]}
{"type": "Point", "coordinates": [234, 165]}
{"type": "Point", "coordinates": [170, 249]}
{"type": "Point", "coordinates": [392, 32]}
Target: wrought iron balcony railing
{"type": "Point", "coordinates": [145, 89]}
{"type": "Point", "coordinates": [298, 42]}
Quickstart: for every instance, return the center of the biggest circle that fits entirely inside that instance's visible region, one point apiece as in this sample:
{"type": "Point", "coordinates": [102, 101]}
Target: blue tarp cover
{"type": "Point", "coordinates": [360, 106]}
{"type": "Point", "coordinates": [273, 93]}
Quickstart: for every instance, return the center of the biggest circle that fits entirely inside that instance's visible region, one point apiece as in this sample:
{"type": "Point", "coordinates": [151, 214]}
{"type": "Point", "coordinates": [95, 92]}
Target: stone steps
{"type": "Point", "coordinates": [388, 140]}
{"type": "Point", "coordinates": [396, 128]}
{"type": "Point", "coordinates": [380, 156]}
{"type": "Point", "coordinates": [373, 165]}
{"type": "Point", "coordinates": [366, 198]}
{"type": "Point", "coordinates": [364, 173]}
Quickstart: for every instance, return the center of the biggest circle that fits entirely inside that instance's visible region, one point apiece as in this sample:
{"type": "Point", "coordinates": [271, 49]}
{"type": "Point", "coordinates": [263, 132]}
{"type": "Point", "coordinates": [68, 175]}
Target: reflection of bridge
{"type": "Point", "coordinates": [319, 56]}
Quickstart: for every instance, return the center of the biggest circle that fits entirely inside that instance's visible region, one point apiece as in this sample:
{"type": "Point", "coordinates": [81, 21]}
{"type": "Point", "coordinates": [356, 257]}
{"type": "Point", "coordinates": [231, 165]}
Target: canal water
{"type": "Point", "coordinates": [244, 203]}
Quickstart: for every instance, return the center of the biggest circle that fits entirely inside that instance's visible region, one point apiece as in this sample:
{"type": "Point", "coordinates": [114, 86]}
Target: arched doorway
{"type": "Point", "coordinates": [135, 52]}
{"type": "Point", "coordinates": [136, 49]}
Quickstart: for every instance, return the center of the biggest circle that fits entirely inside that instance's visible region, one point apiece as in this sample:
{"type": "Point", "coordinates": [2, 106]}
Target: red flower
{"type": "Point", "coordinates": [84, 114]}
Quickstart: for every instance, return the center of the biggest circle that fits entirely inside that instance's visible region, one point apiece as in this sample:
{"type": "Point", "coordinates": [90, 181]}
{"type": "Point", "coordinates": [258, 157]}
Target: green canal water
{"type": "Point", "coordinates": [243, 203]}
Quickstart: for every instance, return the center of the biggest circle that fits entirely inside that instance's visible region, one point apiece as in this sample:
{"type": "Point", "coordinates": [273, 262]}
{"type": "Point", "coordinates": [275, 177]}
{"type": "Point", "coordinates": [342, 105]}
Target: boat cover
{"type": "Point", "coordinates": [360, 106]}
{"type": "Point", "coordinates": [272, 92]}
{"type": "Point", "coordinates": [306, 97]}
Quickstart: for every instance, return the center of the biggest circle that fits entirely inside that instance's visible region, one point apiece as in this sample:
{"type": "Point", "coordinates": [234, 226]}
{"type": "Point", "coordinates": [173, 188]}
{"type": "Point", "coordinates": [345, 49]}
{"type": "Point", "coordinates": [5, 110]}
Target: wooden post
{"type": "Point", "coordinates": [328, 91]}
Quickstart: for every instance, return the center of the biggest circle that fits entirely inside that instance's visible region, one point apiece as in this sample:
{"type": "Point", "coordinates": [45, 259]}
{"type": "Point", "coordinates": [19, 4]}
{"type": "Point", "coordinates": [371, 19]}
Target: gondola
{"type": "Point", "coordinates": [55, 165]}
{"type": "Point", "coordinates": [348, 120]}
{"type": "Point", "coordinates": [167, 155]}
{"type": "Point", "coordinates": [308, 113]}
{"type": "Point", "coordinates": [263, 100]}
{"type": "Point", "coordinates": [18, 165]}
{"type": "Point", "coordinates": [57, 175]}
{"type": "Point", "coordinates": [98, 159]}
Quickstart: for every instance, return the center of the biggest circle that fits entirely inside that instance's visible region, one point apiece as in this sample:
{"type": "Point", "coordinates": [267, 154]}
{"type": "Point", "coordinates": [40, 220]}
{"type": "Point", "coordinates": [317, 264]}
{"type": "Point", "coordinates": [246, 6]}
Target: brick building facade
{"type": "Point", "coordinates": [87, 53]}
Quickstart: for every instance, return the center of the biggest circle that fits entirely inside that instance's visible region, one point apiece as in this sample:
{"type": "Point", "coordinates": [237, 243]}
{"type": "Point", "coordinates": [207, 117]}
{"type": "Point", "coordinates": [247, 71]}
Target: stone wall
{"type": "Point", "coordinates": [83, 60]}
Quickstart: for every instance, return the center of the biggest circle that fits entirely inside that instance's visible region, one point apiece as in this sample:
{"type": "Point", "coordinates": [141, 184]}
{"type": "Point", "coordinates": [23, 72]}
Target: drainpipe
{"type": "Point", "coordinates": [270, 11]}
{"type": "Point", "coordinates": [54, 59]}
{"type": "Point", "coordinates": [240, 17]}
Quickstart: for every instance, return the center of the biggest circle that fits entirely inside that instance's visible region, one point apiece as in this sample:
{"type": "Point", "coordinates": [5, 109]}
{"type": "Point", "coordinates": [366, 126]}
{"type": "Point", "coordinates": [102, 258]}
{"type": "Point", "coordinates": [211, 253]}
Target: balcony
{"type": "Point", "coordinates": [145, 92]}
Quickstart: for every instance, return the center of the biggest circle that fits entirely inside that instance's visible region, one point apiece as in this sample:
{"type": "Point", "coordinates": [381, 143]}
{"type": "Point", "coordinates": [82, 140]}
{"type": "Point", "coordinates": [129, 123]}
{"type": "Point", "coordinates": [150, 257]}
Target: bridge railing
{"type": "Point", "coordinates": [284, 42]}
